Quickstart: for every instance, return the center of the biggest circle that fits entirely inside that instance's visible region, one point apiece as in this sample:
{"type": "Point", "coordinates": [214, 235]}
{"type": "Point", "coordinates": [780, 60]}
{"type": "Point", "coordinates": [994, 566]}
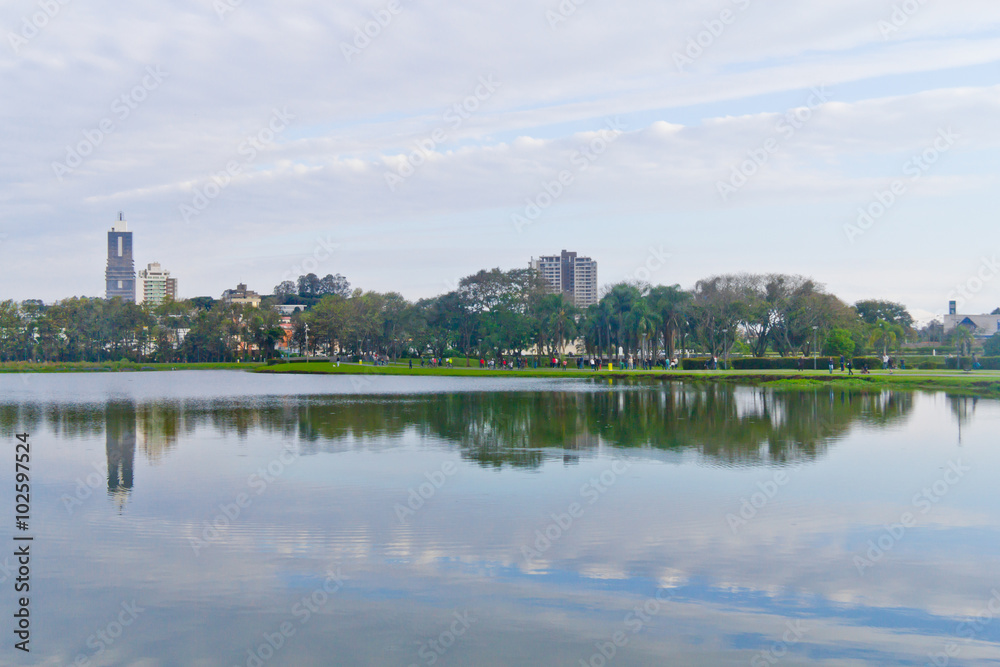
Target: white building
{"type": "Point", "coordinates": [982, 326]}
{"type": "Point", "coordinates": [154, 285]}
{"type": "Point", "coordinates": [574, 276]}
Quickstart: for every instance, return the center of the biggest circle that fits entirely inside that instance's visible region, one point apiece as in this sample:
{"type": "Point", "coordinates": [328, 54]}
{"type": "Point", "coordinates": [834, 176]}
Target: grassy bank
{"type": "Point", "coordinates": [981, 383]}
{"type": "Point", "coordinates": [977, 383]}
{"type": "Point", "coordinates": [113, 366]}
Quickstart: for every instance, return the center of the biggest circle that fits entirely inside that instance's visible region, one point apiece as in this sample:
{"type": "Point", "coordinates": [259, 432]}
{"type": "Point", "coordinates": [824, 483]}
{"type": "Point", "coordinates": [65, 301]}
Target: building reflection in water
{"type": "Point", "coordinates": [120, 447]}
{"type": "Point", "coordinates": [157, 426]}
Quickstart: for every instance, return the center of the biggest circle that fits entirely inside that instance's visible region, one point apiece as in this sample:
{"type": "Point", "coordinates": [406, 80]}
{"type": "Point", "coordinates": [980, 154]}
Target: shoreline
{"type": "Point", "coordinates": [976, 383]}
{"type": "Point", "coordinates": [118, 366]}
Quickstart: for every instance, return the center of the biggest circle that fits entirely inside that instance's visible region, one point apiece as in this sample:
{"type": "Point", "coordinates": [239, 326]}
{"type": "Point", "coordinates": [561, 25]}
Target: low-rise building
{"type": "Point", "coordinates": [982, 326]}
{"type": "Point", "coordinates": [241, 295]}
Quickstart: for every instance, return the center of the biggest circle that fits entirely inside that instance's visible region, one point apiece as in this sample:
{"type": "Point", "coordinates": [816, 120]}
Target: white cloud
{"type": "Point", "coordinates": [354, 120]}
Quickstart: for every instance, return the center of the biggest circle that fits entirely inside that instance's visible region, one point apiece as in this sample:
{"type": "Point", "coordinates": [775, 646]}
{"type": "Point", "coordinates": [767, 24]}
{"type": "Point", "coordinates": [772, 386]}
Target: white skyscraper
{"type": "Point", "coordinates": [574, 276]}
{"type": "Point", "coordinates": [154, 285]}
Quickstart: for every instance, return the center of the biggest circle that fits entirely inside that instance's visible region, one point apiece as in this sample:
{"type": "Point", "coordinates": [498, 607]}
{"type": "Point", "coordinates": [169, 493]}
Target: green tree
{"type": "Point", "coordinates": [328, 321]}
{"type": "Point", "coordinates": [838, 342]}
{"type": "Point", "coordinates": [621, 298]}
{"type": "Point", "coordinates": [10, 330]}
{"type": "Point", "coordinates": [991, 348]}
{"type": "Point", "coordinates": [263, 330]}
{"type": "Point", "coordinates": [874, 310]}
{"type": "Point", "coordinates": [643, 324]}
{"type": "Point", "coordinates": [884, 335]}
{"type": "Point", "coordinates": [961, 337]}
{"type": "Point", "coordinates": [555, 322]}
{"type": "Point", "coordinates": [670, 305]}
{"type": "Point", "coordinates": [717, 309]}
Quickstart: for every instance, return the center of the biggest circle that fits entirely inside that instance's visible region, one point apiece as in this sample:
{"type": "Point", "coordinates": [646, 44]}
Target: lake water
{"type": "Point", "coordinates": [226, 518]}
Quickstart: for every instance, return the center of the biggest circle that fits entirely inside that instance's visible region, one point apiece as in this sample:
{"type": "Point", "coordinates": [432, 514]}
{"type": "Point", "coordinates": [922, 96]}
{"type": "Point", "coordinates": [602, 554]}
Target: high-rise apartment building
{"type": "Point", "coordinates": [120, 274]}
{"type": "Point", "coordinates": [155, 285]}
{"type": "Point", "coordinates": [574, 276]}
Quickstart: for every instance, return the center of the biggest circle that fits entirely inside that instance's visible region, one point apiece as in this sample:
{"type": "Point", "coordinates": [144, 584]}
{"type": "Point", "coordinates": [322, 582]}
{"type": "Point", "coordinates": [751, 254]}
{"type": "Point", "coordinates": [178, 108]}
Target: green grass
{"type": "Point", "coordinates": [982, 383]}
{"type": "Point", "coordinates": [114, 366]}
{"type": "Point", "coordinates": [978, 383]}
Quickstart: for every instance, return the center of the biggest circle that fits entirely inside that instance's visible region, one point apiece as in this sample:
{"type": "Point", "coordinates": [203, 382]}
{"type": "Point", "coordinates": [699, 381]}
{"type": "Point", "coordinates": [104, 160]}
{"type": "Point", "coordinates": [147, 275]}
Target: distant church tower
{"type": "Point", "coordinates": [120, 274]}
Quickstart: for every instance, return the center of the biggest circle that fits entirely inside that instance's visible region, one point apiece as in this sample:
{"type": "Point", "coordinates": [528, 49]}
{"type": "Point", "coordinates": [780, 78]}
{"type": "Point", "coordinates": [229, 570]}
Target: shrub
{"type": "Point", "coordinates": [991, 348]}
{"type": "Point", "coordinates": [792, 363]}
{"type": "Point", "coordinates": [988, 363]}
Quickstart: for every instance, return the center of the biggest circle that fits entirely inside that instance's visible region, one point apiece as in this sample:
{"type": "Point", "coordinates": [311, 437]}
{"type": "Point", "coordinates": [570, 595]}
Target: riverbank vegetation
{"type": "Point", "coordinates": [491, 315]}
{"type": "Point", "coordinates": [980, 383]}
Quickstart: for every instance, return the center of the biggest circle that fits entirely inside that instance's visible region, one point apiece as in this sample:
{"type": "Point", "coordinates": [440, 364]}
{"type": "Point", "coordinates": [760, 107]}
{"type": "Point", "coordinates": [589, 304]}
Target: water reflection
{"type": "Point", "coordinates": [120, 448]}
{"type": "Point", "coordinates": [729, 426]}
{"type": "Point", "coordinates": [851, 464]}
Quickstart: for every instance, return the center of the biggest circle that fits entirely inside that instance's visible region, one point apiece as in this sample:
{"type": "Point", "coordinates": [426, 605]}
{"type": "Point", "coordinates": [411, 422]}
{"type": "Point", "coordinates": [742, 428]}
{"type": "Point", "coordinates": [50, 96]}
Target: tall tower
{"type": "Point", "coordinates": [120, 274]}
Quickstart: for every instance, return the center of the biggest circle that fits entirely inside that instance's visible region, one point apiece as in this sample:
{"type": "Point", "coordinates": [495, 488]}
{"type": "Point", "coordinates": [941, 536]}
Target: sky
{"type": "Point", "coordinates": [407, 144]}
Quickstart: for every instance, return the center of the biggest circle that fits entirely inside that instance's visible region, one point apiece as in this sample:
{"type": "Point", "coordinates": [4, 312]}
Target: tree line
{"type": "Point", "coordinates": [492, 314]}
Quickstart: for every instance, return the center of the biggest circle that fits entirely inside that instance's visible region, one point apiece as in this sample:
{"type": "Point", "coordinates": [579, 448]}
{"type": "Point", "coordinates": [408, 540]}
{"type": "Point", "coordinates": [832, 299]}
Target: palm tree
{"type": "Point", "coordinates": [885, 335]}
{"type": "Point", "coordinates": [561, 321]}
{"type": "Point", "coordinates": [962, 339]}
{"type": "Point", "coordinates": [643, 323]}
{"type": "Point", "coordinates": [670, 305]}
{"type": "Point", "coordinates": [621, 299]}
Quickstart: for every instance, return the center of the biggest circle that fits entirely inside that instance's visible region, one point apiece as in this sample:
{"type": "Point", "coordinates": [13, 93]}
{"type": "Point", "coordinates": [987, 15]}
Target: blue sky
{"type": "Point", "coordinates": [162, 96]}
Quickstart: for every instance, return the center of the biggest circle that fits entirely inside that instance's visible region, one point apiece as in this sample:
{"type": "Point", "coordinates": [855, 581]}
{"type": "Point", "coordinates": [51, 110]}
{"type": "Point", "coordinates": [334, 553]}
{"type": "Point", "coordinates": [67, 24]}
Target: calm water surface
{"type": "Point", "coordinates": [224, 518]}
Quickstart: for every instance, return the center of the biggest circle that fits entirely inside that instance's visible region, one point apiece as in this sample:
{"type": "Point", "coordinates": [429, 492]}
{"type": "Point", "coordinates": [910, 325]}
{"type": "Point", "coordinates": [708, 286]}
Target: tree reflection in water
{"type": "Point", "coordinates": [730, 425]}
